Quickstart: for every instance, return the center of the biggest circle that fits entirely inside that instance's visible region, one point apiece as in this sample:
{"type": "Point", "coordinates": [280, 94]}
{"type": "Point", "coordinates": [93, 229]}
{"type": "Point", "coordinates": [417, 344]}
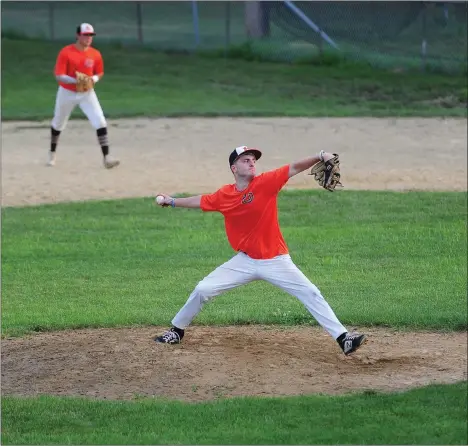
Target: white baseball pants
{"type": "Point", "coordinates": [279, 271]}
{"type": "Point", "coordinates": [67, 100]}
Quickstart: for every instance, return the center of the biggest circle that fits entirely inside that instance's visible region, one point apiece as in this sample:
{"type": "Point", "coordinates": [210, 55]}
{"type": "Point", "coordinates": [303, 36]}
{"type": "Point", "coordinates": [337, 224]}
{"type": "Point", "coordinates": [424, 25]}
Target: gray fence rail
{"type": "Point", "coordinates": [402, 34]}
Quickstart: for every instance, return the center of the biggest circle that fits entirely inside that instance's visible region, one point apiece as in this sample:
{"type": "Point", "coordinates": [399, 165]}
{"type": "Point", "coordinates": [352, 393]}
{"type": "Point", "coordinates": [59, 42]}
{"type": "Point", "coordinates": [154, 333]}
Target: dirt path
{"type": "Point", "coordinates": [190, 155]}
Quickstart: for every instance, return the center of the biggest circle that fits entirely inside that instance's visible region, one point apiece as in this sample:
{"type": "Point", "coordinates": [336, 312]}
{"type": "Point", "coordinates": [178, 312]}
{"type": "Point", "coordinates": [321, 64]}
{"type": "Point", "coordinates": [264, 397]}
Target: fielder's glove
{"type": "Point", "coordinates": [83, 82]}
{"type": "Point", "coordinates": [327, 173]}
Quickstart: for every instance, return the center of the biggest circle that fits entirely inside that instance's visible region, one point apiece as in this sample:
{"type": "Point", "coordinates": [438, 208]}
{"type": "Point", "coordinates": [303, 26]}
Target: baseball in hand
{"type": "Point", "coordinates": [160, 199]}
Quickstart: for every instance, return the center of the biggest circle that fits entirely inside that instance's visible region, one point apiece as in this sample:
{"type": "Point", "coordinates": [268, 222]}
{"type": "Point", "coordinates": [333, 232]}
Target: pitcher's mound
{"type": "Point", "coordinates": [218, 362]}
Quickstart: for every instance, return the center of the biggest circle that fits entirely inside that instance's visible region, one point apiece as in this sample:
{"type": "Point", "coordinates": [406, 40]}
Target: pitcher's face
{"type": "Point", "coordinates": [244, 166]}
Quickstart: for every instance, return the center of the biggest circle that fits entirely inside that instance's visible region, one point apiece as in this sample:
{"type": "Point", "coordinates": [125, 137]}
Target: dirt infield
{"type": "Point", "coordinates": [190, 155]}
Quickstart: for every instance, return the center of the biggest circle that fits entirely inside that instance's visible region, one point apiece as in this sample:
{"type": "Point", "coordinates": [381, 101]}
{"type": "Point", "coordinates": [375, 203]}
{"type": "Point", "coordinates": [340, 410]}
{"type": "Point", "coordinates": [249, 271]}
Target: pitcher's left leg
{"type": "Point", "coordinates": [91, 107]}
{"type": "Point", "coordinates": [283, 273]}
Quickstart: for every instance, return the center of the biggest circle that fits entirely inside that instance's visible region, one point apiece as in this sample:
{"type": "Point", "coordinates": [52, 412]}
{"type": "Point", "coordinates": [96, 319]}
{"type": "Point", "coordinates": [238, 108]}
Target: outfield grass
{"type": "Point", "coordinates": [141, 82]}
{"type": "Point", "coordinates": [380, 258]}
{"type": "Point", "coordinates": [431, 415]}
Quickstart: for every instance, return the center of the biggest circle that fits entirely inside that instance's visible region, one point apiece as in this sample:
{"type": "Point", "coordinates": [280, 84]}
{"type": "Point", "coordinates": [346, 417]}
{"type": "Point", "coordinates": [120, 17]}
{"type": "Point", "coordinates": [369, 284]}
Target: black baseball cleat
{"type": "Point", "coordinates": [349, 343]}
{"type": "Point", "coordinates": [172, 336]}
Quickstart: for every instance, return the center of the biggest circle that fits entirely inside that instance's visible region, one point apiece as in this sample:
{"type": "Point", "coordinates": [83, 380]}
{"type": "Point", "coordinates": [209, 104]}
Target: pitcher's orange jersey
{"type": "Point", "coordinates": [70, 60]}
{"type": "Point", "coordinates": [251, 216]}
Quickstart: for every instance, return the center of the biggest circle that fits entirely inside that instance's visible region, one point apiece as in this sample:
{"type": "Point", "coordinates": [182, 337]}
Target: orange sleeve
{"type": "Point", "coordinates": [275, 179]}
{"type": "Point", "coordinates": [210, 202]}
{"type": "Point", "coordinates": [99, 65]}
{"type": "Point", "coordinates": [61, 64]}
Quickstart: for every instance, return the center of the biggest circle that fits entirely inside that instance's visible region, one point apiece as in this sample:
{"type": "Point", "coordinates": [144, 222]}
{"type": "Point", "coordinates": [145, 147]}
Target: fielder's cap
{"type": "Point", "coordinates": [241, 150]}
{"type": "Point", "coordinates": [85, 28]}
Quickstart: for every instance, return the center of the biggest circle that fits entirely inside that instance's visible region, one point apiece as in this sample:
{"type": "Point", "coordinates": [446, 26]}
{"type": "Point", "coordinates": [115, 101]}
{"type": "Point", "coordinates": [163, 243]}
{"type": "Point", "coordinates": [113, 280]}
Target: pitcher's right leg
{"type": "Point", "coordinates": [238, 271]}
{"type": "Point", "coordinates": [65, 102]}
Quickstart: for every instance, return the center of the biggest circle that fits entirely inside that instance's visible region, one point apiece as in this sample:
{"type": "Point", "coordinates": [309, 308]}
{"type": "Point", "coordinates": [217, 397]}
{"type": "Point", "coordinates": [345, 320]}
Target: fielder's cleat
{"type": "Point", "coordinates": [110, 162]}
{"type": "Point", "coordinates": [172, 336]}
{"type": "Point", "coordinates": [52, 159]}
{"type": "Point", "coordinates": [349, 343]}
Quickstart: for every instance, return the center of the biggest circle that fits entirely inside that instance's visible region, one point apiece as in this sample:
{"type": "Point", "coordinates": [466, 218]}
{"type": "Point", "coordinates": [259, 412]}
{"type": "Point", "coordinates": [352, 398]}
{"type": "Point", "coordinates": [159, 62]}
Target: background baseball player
{"type": "Point", "coordinates": [249, 207]}
{"type": "Point", "coordinates": [77, 69]}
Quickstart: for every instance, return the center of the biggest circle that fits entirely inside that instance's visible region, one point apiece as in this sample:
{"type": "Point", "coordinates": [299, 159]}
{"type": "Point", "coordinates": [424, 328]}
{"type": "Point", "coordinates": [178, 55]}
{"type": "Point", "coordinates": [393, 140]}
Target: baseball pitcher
{"type": "Point", "coordinates": [78, 68]}
{"type": "Point", "coordinates": [249, 207]}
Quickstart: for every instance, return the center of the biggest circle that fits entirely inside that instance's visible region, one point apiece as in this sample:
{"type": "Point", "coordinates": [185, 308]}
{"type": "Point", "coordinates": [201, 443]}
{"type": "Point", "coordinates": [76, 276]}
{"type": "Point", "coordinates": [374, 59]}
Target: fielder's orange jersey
{"type": "Point", "coordinates": [70, 60]}
{"type": "Point", "coordinates": [251, 216]}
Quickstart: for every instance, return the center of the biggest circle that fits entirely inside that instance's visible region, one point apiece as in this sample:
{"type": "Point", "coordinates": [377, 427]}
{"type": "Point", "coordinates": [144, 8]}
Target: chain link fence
{"type": "Point", "coordinates": [402, 34]}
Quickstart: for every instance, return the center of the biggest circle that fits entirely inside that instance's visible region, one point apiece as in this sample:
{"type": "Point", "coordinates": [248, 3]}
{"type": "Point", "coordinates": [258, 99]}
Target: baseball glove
{"type": "Point", "coordinates": [327, 173]}
{"type": "Point", "coordinates": [83, 82]}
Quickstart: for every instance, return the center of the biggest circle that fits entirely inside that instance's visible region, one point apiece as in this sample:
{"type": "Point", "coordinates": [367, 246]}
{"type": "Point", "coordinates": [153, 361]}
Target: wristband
{"type": "Point", "coordinates": [95, 78]}
{"type": "Point", "coordinates": [173, 202]}
{"type": "Point", "coordinates": [321, 155]}
{"type": "Point", "coordinates": [65, 79]}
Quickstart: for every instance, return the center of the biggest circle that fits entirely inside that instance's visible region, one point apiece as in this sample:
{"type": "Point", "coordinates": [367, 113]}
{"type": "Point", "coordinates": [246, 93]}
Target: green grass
{"type": "Point", "coordinates": [141, 82]}
{"type": "Point", "coordinates": [379, 258]}
{"type": "Point", "coordinates": [431, 415]}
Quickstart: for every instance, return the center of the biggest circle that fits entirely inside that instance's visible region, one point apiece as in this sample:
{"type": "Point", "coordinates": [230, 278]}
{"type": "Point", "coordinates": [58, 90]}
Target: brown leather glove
{"type": "Point", "coordinates": [327, 173]}
{"type": "Point", "coordinates": [83, 82]}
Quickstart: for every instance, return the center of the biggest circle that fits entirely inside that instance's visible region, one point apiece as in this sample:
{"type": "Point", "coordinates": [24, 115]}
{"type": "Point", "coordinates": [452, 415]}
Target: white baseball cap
{"type": "Point", "coordinates": [238, 151]}
{"type": "Point", "coordinates": [85, 28]}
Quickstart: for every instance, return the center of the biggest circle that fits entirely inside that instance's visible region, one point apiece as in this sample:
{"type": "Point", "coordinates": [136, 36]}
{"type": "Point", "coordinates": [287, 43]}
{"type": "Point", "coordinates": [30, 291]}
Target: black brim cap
{"type": "Point", "coordinates": [242, 150]}
{"type": "Point", "coordinates": [85, 28]}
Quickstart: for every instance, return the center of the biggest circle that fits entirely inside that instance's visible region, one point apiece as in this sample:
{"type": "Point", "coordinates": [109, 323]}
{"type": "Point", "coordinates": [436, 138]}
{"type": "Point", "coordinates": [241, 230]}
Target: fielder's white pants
{"type": "Point", "coordinates": [67, 100]}
{"type": "Point", "coordinates": [279, 271]}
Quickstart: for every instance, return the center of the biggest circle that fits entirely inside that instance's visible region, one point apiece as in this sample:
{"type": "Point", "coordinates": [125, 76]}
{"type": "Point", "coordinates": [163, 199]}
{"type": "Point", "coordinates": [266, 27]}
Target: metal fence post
{"type": "Point", "coordinates": [309, 22]}
{"type": "Point", "coordinates": [51, 20]}
{"type": "Point", "coordinates": [139, 22]}
{"type": "Point", "coordinates": [196, 29]}
{"type": "Point", "coordinates": [227, 41]}
{"type": "Point", "coordinates": [424, 41]}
